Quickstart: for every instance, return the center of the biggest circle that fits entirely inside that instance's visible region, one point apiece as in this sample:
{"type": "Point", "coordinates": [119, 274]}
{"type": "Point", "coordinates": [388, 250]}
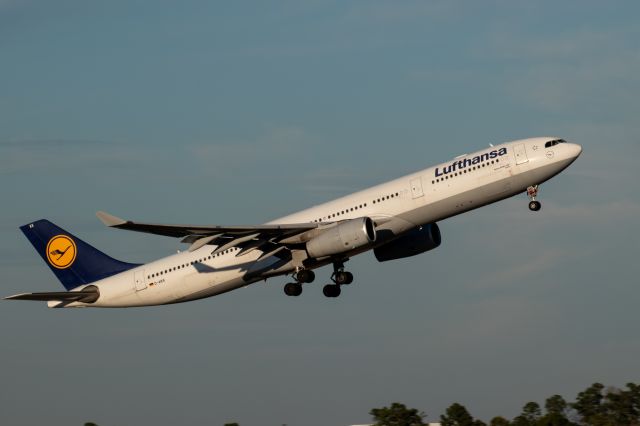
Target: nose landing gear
{"type": "Point", "coordinates": [532, 193]}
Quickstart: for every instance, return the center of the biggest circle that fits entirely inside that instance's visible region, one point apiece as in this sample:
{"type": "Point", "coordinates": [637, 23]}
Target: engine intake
{"type": "Point", "coordinates": [416, 241]}
{"type": "Point", "coordinates": [346, 236]}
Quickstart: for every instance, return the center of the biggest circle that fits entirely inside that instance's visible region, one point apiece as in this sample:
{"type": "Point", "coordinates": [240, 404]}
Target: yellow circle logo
{"type": "Point", "coordinates": [61, 251]}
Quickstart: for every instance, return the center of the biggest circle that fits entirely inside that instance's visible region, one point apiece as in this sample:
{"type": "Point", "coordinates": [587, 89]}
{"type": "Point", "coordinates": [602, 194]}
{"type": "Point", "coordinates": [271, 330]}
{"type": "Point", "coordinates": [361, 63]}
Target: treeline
{"type": "Point", "coordinates": [595, 406]}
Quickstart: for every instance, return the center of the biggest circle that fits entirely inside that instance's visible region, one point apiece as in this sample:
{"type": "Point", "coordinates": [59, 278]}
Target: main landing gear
{"type": "Point", "coordinates": [532, 193]}
{"type": "Point", "coordinates": [302, 276]}
{"type": "Point", "coordinates": [339, 277]}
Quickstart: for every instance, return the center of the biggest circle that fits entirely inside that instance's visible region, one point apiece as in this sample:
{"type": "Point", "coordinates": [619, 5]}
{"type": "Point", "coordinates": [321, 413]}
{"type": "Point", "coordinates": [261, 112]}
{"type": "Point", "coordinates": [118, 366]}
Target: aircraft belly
{"type": "Point", "coordinates": [220, 287]}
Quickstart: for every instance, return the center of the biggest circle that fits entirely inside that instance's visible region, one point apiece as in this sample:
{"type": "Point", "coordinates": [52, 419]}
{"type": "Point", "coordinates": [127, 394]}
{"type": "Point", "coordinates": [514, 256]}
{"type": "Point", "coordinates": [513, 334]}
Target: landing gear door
{"type": "Point", "coordinates": [139, 280]}
{"type": "Point", "coordinates": [521, 154]}
{"type": "Point", "coordinates": [416, 188]}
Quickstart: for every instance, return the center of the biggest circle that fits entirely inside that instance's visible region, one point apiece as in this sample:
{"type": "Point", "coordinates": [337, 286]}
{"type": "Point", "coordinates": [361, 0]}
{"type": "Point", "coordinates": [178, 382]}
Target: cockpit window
{"type": "Point", "coordinates": [554, 143]}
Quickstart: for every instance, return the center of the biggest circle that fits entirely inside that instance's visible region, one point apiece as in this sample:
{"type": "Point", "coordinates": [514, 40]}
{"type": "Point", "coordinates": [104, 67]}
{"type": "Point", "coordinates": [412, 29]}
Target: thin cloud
{"type": "Point", "coordinates": [590, 70]}
{"type": "Point", "coordinates": [60, 155]}
{"type": "Point", "coordinates": [38, 143]}
{"type": "Point", "coordinates": [274, 146]}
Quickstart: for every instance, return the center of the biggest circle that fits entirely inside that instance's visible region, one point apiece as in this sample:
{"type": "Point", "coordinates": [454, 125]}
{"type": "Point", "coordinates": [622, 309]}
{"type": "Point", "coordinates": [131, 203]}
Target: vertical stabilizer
{"type": "Point", "coordinates": [72, 260]}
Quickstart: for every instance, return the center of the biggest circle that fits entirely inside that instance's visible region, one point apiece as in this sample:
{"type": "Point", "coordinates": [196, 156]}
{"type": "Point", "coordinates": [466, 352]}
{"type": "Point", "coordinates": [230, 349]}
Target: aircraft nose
{"type": "Point", "coordinates": [576, 150]}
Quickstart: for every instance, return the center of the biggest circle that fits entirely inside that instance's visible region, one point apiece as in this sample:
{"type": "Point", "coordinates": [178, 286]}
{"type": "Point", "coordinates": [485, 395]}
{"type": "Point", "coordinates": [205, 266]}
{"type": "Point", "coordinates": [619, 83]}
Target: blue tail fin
{"type": "Point", "coordinates": [72, 260]}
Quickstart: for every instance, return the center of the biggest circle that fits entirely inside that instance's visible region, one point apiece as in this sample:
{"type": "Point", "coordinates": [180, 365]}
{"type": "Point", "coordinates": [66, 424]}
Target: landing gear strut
{"type": "Point", "coordinates": [532, 193]}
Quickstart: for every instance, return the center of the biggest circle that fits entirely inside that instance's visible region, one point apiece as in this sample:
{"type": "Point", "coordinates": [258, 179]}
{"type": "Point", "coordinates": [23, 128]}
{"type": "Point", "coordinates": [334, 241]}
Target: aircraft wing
{"type": "Point", "coordinates": [247, 237]}
{"type": "Point", "coordinates": [63, 296]}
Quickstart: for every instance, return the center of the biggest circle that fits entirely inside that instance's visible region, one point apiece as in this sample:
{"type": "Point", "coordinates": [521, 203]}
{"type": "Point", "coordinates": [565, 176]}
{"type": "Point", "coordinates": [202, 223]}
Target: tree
{"type": "Point", "coordinates": [499, 421]}
{"type": "Point", "coordinates": [589, 403]}
{"type": "Point", "coordinates": [611, 407]}
{"type": "Point", "coordinates": [555, 405]}
{"type": "Point", "coordinates": [397, 415]}
{"type": "Point", "coordinates": [232, 424]}
{"type": "Point", "coordinates": [554, 419]}
{"type": "Point", "coordinates": [457, 415]}
{"type": "Point", "coordinates": [530, 415]}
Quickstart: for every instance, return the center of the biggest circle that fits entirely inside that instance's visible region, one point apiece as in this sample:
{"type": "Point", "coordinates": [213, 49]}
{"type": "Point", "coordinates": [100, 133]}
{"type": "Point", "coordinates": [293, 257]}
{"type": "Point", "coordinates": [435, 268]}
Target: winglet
{"type": "Point", "coordinates": [109, 219]}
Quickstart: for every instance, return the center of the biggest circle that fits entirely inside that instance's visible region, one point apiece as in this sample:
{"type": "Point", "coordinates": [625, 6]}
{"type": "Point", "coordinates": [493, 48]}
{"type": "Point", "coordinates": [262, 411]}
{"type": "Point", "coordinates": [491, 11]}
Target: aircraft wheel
{"type": "Point", "coordinates": [343, 277]}
{"type": "Point", "coordinates": [293, 289]}
{"type": "Point", "coordinates": [331, 290]}
{"type": "Point", "coordinates": [305, 276]}
{"type": "Point", "coordinates": [535, 206]}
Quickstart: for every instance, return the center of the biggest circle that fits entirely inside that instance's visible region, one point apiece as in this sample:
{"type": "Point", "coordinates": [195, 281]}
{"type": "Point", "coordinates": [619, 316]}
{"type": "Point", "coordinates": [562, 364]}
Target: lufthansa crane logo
{"type": "Point", "coordinates": [61, 251]}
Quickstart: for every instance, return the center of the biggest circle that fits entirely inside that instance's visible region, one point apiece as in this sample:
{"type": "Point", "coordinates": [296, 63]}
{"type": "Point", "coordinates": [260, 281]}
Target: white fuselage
{"type": "Point", "coordinates": [459, 185]}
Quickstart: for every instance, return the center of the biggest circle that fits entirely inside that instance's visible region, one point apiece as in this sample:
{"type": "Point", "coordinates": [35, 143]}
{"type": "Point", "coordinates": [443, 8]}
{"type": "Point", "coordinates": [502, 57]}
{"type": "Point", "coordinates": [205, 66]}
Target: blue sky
{"type": "Point", "coordinates": [241, 112]}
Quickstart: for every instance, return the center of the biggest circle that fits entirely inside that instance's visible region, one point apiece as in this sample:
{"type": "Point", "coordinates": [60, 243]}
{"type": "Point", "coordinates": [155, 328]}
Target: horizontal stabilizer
{"type": "Point", "coordinates": [88, 296]}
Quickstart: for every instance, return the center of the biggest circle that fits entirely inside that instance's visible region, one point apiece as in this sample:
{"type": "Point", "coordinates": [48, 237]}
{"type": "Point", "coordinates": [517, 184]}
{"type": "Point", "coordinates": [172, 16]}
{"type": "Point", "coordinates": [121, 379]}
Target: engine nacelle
{"type": "Point", "coordinates": [346, 236]}
{"type": "Point", "coordinates": [416, 241]}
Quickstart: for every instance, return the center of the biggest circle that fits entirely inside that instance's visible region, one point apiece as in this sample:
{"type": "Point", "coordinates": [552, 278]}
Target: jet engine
{"type": "Point", "coordinates": [345, 236]}
{"type": "Point", "coordinates": [415, 241]}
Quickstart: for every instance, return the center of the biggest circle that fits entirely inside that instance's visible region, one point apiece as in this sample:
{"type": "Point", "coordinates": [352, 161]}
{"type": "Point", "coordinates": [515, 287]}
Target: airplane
{"type": "Point", "coordinates": [395, 219]}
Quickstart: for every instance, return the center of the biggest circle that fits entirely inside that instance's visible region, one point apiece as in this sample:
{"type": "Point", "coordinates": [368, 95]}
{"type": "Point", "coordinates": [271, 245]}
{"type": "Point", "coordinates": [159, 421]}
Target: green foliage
{"type": "Point", "coordinates": [530, 415]}
{"type": "Point", "coordinates": [457, 415]}
{"type": "Point", "coordinates": [397, 415]}
{"type": "Point", "coordinates": [557, 409]}
{"type": "Point", "coordinates": [595, 406]}
{"type": "Point", "coordinates": [554, 419]}
{"type": "Point", "coordinates": [556, 405]}
{"type": "Point", "coordinates": [589, 402]}
{"type": "Point", "coordinates": [612, 407]}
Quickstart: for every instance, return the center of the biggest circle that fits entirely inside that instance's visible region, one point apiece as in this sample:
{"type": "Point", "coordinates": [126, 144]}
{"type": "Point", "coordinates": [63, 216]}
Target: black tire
{"type": "Point", "coordinates": [342, 277]}
{"type": "Point", "coordinates": [534, 206]}
{"type": "Point", "coordinates": [306, 276]}
{"type": "Point", "coordinates": [293, 289]}
{"type": "Point", "coordinates": [349, 277]}
{"type": "Point", "coordinates": [331, 290]}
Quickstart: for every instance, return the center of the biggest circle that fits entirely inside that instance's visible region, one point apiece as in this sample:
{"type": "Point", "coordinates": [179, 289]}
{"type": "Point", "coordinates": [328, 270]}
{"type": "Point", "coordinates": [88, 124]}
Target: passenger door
{"type": "Point", "coordinates": [521, 154]}
{"type": "Point", "coordinates": [416, 188]}
{"type": "Point", "coordinates": [139, 280]}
